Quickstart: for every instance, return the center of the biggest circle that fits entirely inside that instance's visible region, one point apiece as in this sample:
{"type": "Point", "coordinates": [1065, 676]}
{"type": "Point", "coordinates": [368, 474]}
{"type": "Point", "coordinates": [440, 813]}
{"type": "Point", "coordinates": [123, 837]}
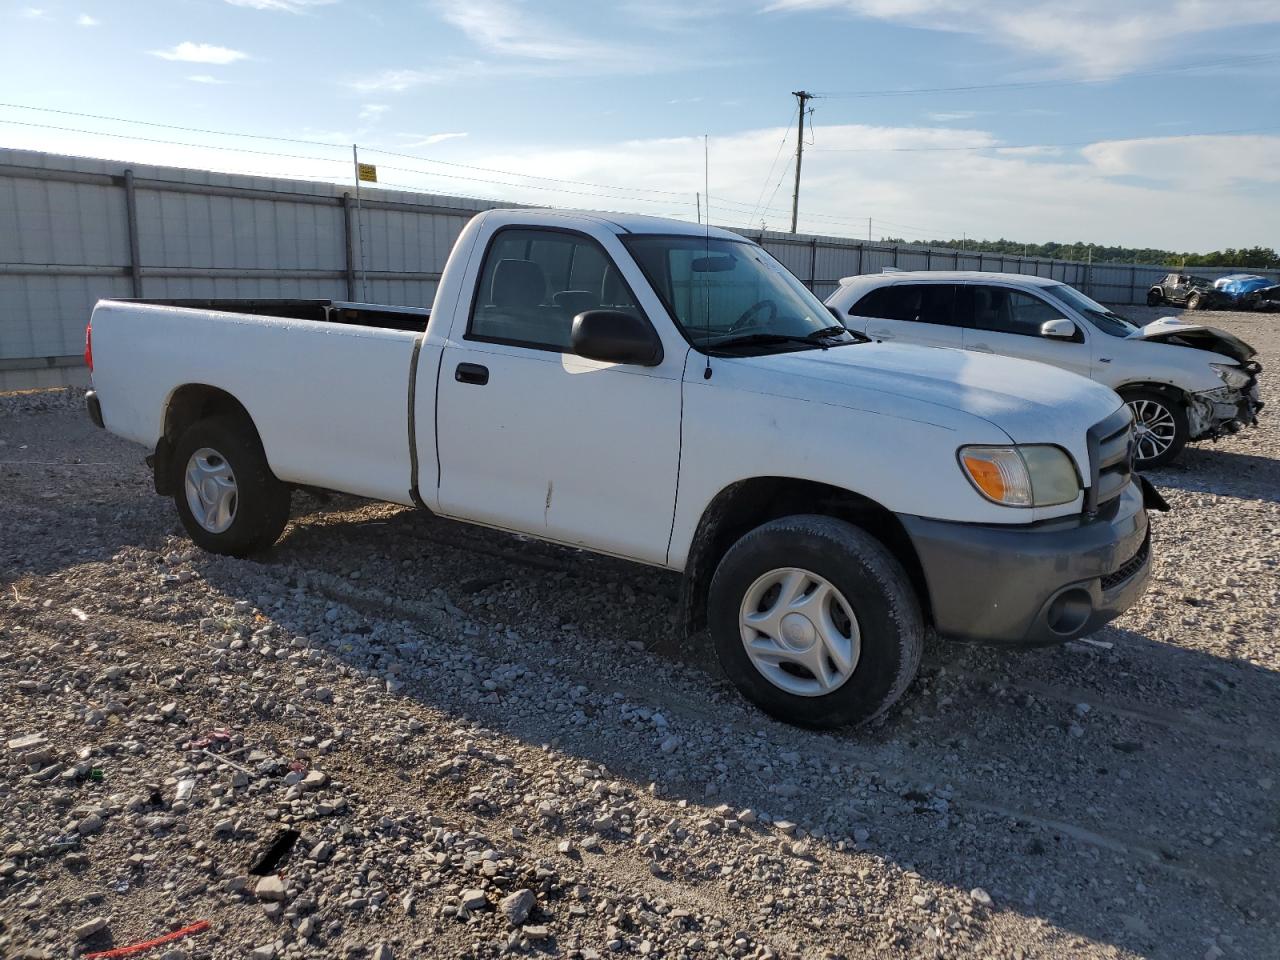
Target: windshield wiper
{"type": "Point", "coordinates": [818, 338]}
{"type": "Point", "coordinates": [759, 340]}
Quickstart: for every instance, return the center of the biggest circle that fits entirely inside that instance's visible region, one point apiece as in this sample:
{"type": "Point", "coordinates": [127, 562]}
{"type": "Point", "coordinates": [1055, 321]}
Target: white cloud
{"type": "Point", "coordinates": [33, 13]}
{"type": "Point", "coordinates": [84, 20]}
{"type": "Point", "coordinates": [507, 28]}
{"type": "Point", "coordinates": [1085, 38]}
{"type": "Point", "coordinates": [205, 78]}
{"type": "Point", "coordinates": [1190, 162]}
{"type": "Point", "coordinates": [399, 80]}
{"type": "Point", "coordinates": [1227, 188]}
{"type": "Point", "coordinates": [286, 6]}
{"type": "Point", "coordinates": [417, 142]}
{"type": "Point", "coordinates": [372, 111]}
{"type": "Point", "coordinates": [953, 115]}
{"type": "Point", "coordinates": [189, 52]}
{"type": "Point", "coordinates": [1106, 193]}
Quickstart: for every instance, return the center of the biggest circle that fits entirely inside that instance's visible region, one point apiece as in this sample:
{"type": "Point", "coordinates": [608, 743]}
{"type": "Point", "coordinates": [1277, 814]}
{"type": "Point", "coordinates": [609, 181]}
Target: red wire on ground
{"type": "Point", "coordinates": [148, 944]}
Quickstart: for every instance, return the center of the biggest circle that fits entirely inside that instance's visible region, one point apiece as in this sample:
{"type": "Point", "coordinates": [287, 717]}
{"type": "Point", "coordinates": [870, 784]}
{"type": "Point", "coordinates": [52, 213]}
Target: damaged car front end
{"type": "Point", "coordinates": [1221, 409]}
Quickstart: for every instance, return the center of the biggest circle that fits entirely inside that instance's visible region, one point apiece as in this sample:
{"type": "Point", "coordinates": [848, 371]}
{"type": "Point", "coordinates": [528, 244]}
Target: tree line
{"type": "Point", "coordinates": [1257, 257]}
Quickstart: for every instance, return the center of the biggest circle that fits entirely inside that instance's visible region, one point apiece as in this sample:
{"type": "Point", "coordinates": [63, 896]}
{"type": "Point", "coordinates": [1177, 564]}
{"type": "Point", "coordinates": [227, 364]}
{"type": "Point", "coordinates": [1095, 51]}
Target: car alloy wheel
{"type": "Point", "coordinates": [1154, 428]}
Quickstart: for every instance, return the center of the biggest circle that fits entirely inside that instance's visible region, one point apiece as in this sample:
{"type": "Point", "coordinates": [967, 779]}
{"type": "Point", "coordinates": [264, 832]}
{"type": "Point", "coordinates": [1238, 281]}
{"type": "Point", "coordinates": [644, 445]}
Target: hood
{"type": "Point", "coordinates": [1197, 336]}
{"type": "Point", "coordinates": [1030, 402]}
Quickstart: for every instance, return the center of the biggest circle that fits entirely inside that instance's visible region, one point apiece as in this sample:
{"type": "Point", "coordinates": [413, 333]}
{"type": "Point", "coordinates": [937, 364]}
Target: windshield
{"type": "Point", "coordinates": [730, 294]}
{"type": "Point", "coordinates": [1102, 318]}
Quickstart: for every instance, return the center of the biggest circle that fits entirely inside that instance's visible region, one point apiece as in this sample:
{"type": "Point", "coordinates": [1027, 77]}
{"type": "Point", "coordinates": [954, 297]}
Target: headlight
{"type": "Point", "coordinates": [1022, 476]}
{"type": "Point", "coordinates": [1233, 376]}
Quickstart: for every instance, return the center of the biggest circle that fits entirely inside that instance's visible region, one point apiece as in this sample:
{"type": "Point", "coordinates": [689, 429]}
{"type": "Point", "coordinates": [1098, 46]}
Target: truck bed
{"type": "Point", "coordinates": [411, 319]}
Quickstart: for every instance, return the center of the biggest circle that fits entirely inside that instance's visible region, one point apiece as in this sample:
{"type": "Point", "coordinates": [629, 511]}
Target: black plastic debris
{"type": "Point", "coordinates": [270, 856]}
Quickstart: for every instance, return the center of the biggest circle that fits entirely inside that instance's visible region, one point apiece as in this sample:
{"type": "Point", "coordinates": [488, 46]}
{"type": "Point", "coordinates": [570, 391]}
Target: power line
{"type": "Point", "coordinates": [1032, 146]}
{"type": "Point", "coordinates": [316, 143]}
{"type": "Point", "coordinates": [173, 143]}
{"type": "Point", "coordinates": [291, 156]}
{"type": "Point", "coordinates": [1039, 84]}
{"type": "Point", "coordinates": [519, 186]}
{"type": "Point", "coordinates": [786, 132]}
{"type": "Point", "coordinates": [528, 176]}
{"type": "Point", "coordinates": [172, 126]}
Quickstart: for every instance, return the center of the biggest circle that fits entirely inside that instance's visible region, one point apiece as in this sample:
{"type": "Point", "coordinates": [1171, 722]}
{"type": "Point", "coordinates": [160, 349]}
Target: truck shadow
{"type": "Point", "coordinates": [1116, 788]}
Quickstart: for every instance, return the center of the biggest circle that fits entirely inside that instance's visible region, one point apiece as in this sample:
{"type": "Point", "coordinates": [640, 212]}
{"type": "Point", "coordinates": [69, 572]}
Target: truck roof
{"type": "Point", "coordinates": [626, 222]}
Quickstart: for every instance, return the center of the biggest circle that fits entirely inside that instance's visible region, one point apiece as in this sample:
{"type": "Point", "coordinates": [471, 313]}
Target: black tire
{"type": "Point", "coordinates": [1155, 297]}
{"type": "Point", "coordinates": [261, 502]}
{"type": "Point", "coordinates": [877, 590]}
{"type": "Point", "coordinates": [1145, 405]}
{"type": "Point", "coordinates": [1193, 301]}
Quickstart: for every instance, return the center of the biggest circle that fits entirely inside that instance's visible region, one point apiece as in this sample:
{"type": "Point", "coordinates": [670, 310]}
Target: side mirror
{"type": "Point", "coordinates": [616, 337]}
{"type": "Point", "coordinates": [1060, 329]}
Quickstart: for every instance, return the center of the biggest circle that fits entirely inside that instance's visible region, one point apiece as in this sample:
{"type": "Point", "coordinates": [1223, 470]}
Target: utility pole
{"type": "Point", "coordinates": [804, 97]}
{"type": "Point", "coordinates": [868, 229]}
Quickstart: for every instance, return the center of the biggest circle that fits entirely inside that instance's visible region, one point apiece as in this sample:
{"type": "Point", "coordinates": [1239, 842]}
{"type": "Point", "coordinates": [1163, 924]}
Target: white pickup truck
{"type": "Point", "coordinates": [669, 394]}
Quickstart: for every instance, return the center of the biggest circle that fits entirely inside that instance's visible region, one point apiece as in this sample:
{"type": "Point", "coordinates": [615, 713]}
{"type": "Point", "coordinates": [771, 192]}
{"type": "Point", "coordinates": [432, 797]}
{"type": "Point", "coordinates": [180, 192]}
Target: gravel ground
{"type": "Point", "coordinates": [489, 745]}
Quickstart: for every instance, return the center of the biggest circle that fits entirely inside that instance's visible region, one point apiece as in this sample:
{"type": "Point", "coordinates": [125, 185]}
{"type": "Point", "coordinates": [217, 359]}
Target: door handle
{"type": "Point", "coordinates": [472, 373]}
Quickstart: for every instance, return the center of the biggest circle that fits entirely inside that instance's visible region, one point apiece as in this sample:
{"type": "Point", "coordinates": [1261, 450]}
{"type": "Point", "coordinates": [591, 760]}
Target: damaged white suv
{"type": "Point", "coordinates": [1183, 381]}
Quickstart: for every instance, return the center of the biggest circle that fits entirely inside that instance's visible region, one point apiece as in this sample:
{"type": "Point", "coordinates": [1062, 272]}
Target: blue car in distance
{"type": "Point", "coordinates": [1248, 291]}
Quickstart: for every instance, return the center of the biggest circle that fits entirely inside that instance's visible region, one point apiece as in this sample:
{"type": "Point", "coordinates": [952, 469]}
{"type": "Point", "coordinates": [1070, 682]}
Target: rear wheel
{"type": "Point", "coordinates": [1159, 428]}
{"type": "Point", "coordinates": [815, 621]}
{"type": "Point", "coordinates": [1155, 297]}
{"type": "Point", "coordinates": [227, 497]}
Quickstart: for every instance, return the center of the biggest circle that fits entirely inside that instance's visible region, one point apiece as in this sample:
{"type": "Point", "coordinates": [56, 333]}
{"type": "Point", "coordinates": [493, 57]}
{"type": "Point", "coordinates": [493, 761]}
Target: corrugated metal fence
{"type": "Point", "coordinates": [73, 231]}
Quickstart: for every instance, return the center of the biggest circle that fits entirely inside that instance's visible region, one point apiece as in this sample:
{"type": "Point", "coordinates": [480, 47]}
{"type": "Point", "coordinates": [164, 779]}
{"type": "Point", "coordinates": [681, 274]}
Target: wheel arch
{"type": "Point", "coordinates": [1164, 389]}
{"type": "Point", "coordinates": [186, 405]}
{"type": "Point", "coordinates": [746, 504]}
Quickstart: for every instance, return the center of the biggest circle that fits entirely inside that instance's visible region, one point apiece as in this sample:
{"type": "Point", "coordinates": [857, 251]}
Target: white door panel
{"type": "Point", "coordinates": [1007, 322]}
{"type": "Point", "coordinates": [562, 447]}
{"type": "Point", "coordinates": [907, 331]}
{"type": "Point", "coordinates": [1075, 357]}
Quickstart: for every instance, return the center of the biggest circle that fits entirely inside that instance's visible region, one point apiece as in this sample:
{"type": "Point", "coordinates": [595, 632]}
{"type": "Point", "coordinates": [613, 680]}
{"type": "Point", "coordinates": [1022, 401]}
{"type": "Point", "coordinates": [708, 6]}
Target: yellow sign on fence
{"type": "Point", "coordinates": [368, 172]}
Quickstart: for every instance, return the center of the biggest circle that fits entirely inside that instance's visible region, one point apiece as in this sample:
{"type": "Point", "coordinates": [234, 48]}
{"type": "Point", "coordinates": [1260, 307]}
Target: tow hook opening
{"type": "Point", "coordinates": [1069, 611]}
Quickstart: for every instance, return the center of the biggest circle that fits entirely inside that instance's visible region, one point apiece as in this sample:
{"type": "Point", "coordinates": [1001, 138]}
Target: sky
{"type": "Point", "coordinates": [1140, 123]}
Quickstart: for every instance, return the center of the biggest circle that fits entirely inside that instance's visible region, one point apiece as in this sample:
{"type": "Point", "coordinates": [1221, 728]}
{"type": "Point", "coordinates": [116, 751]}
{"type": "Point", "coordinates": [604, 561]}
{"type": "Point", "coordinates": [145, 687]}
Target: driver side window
{"type": "Point", "coordinates": [534, 282]}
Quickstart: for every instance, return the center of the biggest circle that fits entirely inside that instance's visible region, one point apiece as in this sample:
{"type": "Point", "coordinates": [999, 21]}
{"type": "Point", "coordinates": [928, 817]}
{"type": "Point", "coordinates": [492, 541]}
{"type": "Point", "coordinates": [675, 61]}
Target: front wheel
{"type": "Point", "coordinates": [815, 622]}
{"type": "Point", "coordinates": [1193, 302]}
{"type": "Point", "coordinates": [1159, 428]}
{"type": "Point", "coordinates": [227, 497]}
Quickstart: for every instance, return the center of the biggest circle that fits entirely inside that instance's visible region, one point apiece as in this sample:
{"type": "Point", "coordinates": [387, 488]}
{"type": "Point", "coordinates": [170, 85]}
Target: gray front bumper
{"type": "Point", "coordinates": [1037, 584]}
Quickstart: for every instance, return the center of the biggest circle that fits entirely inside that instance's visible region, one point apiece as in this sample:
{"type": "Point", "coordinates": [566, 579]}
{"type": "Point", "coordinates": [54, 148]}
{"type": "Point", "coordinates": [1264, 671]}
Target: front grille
{"type": "Point", "coordinates": [1110, 458]}
{"type": "Point", "coordinates": [1130, 567]}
